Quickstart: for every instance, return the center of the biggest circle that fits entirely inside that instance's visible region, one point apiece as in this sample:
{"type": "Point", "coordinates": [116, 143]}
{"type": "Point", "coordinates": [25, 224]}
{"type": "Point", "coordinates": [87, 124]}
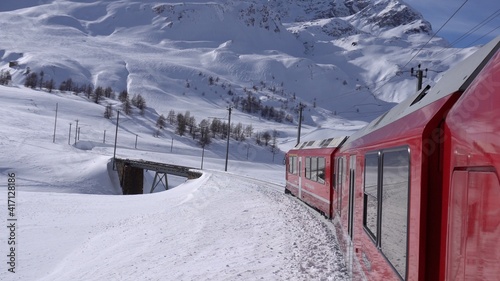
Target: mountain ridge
{"type": "Point", "coordinates": [248, 47]}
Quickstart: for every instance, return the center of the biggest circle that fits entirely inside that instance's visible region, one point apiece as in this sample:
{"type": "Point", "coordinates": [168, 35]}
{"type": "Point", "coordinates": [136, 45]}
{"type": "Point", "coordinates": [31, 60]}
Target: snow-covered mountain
{"type": "Point", "coordinates": [347, 61]}
{"type": "Point", "coordinates": [343, 59]}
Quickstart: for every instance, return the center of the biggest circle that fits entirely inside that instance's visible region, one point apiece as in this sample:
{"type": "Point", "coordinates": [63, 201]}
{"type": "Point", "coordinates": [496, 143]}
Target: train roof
{"type": "Point", "coordinates": [456, 79]}
{"type": "Point", "coordinates": [326, 143]}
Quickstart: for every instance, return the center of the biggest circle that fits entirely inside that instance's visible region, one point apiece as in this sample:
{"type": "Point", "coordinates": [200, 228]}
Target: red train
{"type": "Point", "coordinates": [415, 195]}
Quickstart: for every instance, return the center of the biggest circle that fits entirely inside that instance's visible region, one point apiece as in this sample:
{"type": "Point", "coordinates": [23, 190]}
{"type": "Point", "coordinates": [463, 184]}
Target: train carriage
{"type": "Point", "coordinates": [309, 172]}
{"type": "Point", "coordinates": [471, 180]}
{"type": "Point", "coordinates": [391, 199]}
{"type": "Point", "coordinates": [414, 194]}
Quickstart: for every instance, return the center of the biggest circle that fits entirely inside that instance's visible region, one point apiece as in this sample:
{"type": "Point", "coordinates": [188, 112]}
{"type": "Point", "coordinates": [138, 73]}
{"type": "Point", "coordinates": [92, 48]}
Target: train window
{"type": "Point", "coordinates": [338, 171]}
{"type": "Point", "coordinates": [314, 169]}
{"type": "Point", "coordinates": [292, 164]}
{"type": "Point", "coordinates": [307, 171]}
{"type": "Point", "coordinates": [299, 166]}
{"type": "Point", "coordinates": [395, 183]}
{"type": "Point", "coordinates": [385, 211]}
{"type": "Point", "coordinates": [340, 176]}
{"type": "Point", "coordinates": [295, 166]}
{"type": "Point", "coordinates": [321, 170]}
{"type": "Point", "coordinates": [370, 212]}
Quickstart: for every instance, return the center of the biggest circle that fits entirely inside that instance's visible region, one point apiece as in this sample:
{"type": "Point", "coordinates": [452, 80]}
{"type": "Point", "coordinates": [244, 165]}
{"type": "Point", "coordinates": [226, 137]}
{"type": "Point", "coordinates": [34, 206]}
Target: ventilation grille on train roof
{"type": "Point", "coordinates": [331, 142]}
{"type": "Point", "coordinates": [326, 142]}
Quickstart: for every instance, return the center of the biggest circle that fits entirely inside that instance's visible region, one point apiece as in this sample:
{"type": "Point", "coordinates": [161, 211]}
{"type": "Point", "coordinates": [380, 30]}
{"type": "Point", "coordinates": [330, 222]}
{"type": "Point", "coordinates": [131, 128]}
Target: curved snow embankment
{"type": "Point", "coordinates": [217, 227]}
{"type": "Point", "coordinates": [84, 145]}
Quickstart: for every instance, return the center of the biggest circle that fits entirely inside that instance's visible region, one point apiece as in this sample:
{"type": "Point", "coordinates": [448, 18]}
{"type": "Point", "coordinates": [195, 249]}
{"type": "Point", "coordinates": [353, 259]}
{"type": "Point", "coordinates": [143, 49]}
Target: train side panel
{"type": "Point", "coordinates": [415, 193]}
{"type": "Point", "coordinates": [316, 180]}
{"type": "Point", "coordinates": [292, 172]}
{"type": "Point", "coordinates": [390, 195]}
{"type": "Point", "coordinates": [310, 173]}
{"type": "Point", "coordinates": [377, 238]}
{"type": "Point", "coordinates": [472, 240]}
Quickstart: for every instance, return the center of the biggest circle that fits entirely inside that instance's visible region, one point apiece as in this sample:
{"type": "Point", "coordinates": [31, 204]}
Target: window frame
{"type": "Point", "coordinates": [340, 174]}
{"type": "Point", "coordinates": [373, 234]}
{"type": "Point", "coordinates": [307, 168]}
{"type": "Point", "coordinates": [382, 216]}
{"type": "Point", "coordinates": [321, 170]}
{"type": "Point", "coordinates": [292, 164]}
{"type": "Point", "coordinates": [312, 170]}
{"type": "Point", "coordinates": [379, 238]}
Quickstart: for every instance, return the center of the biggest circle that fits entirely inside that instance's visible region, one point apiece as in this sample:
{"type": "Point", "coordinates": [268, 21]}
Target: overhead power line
{"type": "Point", "coordinates": [421, 48]}
{"type": "Point", "coordinates": [471, 44]}
{"type": "Point", "coordinates": [486, 34]}
{"type": "Point", "coordinates": [446, 22]}
{"type": "Point", "coordinates": [472, 30]}
{"type": "Point", "coordinates": [477, 27]}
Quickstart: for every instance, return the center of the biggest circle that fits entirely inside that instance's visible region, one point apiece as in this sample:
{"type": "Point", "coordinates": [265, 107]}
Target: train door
{"type": "Point", "coordinates": [350, 215]}
{"type": "Point", "coordinates": [352, 180]}
{"type": "Point", "coordinates": [300, 177]}
{"type": "Point", "coordinates": [339, 184]}
{"type": "Point", "coordinates": [474, 229]}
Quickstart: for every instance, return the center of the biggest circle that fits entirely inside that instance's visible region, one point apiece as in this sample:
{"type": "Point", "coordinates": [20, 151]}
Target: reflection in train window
{"type": "Point", "coordinates": [339, 172]}
{"type": "Point", "coordinates": [385, 211]}
{"type": "Point", "coordinates": [307, 171]}
{"type": "Point", "coordinates": [315, 169]}
{"type": "Point", "coordinates": [321, 170]}
{"type": "Point", "coordinates": [395, 182]}
{"type": "Point", "coordinates": [370, 216]}
{"type": "Point", "coordinates": [292, 165]}
{"type": "Point", "coordinates": [338, 186]}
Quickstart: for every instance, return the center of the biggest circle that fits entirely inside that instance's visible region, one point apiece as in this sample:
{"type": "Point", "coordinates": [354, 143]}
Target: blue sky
{"type": "Point", "coordinates": [473, 13]}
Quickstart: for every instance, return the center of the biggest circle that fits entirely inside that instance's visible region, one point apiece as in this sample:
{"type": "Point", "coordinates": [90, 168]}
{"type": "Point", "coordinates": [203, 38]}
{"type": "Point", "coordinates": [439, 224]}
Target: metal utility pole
{"type": "Point", "coordinates": [136, 141]}
{"type": "Point", "coordinates": [69, 137]}
{"type": "Point", "coordinates": [202, 156]}
{"type": "Point", "coordinates": [116, 138]}
{"type": "Point", "coordinates": [419, 73]}
{"type": "Point", "coordinates": [55, 125]}
{"type": "Point", "coordinates": [76, 130]}
{"type": "Point", "coordinates": [104, 137]}
{"type": "Point", "coordinates": [301, 107]}
{"type": "Point", "coordinates": [228, 134]}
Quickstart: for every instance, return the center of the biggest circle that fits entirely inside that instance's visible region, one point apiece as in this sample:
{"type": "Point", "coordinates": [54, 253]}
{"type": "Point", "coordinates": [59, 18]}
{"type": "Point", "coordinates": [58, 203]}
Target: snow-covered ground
{"type": "Point", "coordinates": [70, 221]}
{"type": "Point", "coordinates": [73, 224]}
{"type": "Point", "coordinates": [218, 227]}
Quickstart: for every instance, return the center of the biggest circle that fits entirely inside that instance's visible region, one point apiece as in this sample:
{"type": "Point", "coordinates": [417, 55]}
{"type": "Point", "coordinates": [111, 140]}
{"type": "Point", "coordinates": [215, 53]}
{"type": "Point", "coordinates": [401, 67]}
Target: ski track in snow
{"type": "Point", "coordinates": [218, 227]}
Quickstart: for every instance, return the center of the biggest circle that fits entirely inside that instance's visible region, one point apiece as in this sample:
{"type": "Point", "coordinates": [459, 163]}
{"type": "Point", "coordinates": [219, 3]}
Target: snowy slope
{"type": "Point", "coordinates": [27, 131]}
{"type": "Point", "coordinates": [72, 222]}
{"type": "Point", "coordinates": [203, 230]}
{"type": "Point", "coordinates": [282, 49]}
